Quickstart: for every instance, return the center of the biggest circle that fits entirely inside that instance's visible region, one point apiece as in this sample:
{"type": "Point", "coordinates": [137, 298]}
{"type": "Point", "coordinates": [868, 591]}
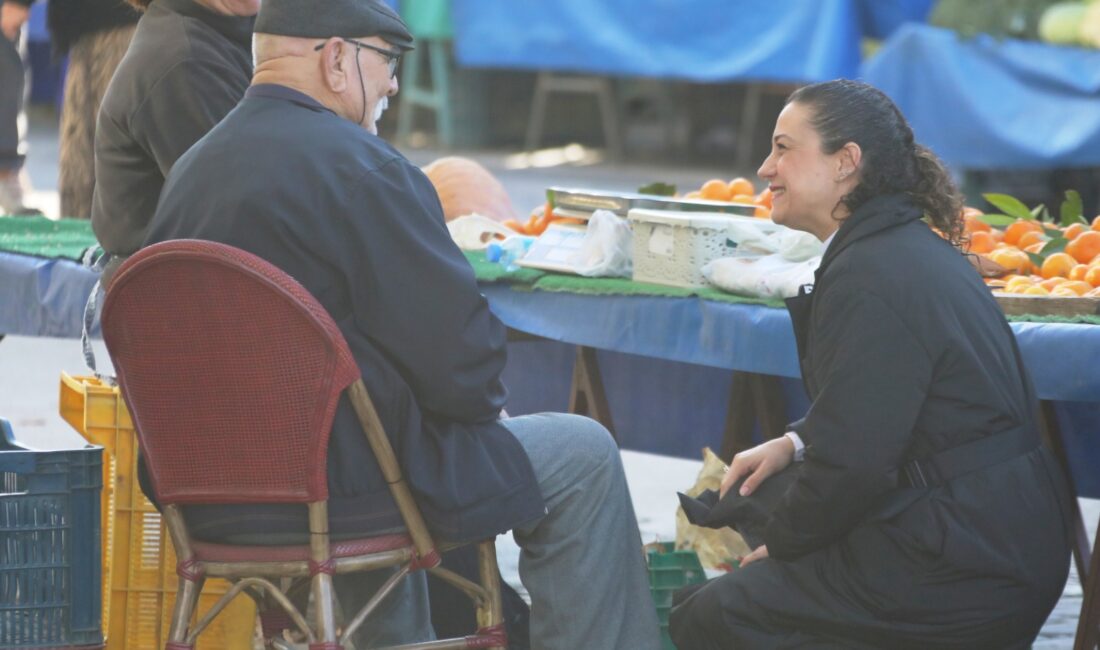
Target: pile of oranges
{"type": "Point", "coordinates": [1072, 272]}
{"type": "Point", "coordinates": [739, 190]}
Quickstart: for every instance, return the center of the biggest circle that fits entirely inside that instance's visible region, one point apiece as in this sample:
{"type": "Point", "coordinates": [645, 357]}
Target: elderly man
{"type": "Point", "coordinates": [188, 65]}
{"type": "Point", "coordinates": [297, 175]}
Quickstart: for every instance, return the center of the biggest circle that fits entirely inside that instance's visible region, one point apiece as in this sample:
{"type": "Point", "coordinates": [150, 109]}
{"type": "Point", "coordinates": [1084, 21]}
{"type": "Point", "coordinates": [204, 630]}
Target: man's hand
{"type": "Point", "coordinates": [758, 463]}
{"type": "Point", "coordinates": [760, 553]}
{"type": "Point", "coordinates": [12, 18]}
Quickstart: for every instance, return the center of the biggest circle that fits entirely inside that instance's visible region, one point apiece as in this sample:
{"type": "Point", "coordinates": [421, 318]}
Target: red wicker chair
{"type": "Point", "coordinates": [232, 372]}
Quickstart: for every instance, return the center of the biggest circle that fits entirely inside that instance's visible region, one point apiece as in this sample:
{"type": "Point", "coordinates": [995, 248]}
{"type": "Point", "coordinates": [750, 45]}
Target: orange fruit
{"type": "Point", "coordinates": [765, 198]}
{"type": "Point", "coordinates": [1085, 247]}
{"type": "Point", "coordinates": [1035, 248]}
{"type": "Point", "coordinates": [998, 235]}
{"type": "Point", "coordinates": [715, 189]}
{"type": "Point", "coordinates": [1036, 291]}
{"type": "Point", "coordinates": [741, 185]}
{"type": "Point", "coordinates": [1073, 230]}
{"type": "Point", "coordinates": [1014, 282]}
{"type": "Point", "coordinates": [1050, 283]}
{"type": "Point", "coordinates": [1029, 238]}
{"type": "Point", "coordinates": [1057, 265]}
{"type": "Point", "coordinates": [747, 199]}
{"type": "Point", "coordinates": [1017, 229]}
{"type": "Point", "coordinates": [1062, 291]}
{"type": "Point", "coordinates": [1093, 276]}
{"type": "Point", "coordinates": [762, 211]}
{"type": "Point", "coordinates": [1013, 259]}
{"type": "Point", "coordinates": [1078, 272]}
{"type": "Point", "coordinates": [1096, 222]}
{"type": "Point", "coordinates": [971, 223]}
{"type": "Point", "coordinates": [980, 242]}
{"type": "Point", "coordinates": [1079, 287]}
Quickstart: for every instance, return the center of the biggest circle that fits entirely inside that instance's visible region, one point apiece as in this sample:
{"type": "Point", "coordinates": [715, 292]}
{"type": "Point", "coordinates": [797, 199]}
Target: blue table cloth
{"type": "Point", "coordinates": [984, 103]}
{"type": "Point", "coordinates": [666, 361]}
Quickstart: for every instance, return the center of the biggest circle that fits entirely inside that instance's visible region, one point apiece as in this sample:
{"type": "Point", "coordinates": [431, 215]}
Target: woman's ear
{"type": "Point", "coordinates": [848, 159]}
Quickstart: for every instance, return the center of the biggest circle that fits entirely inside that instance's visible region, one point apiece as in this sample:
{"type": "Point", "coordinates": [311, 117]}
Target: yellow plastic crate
{"type": "Point", "coordinates": [139, 563]}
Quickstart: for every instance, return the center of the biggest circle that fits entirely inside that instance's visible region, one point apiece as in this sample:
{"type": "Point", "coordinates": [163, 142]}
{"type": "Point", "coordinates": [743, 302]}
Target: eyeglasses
{"type": "Point", "coordinates": [393, 57]}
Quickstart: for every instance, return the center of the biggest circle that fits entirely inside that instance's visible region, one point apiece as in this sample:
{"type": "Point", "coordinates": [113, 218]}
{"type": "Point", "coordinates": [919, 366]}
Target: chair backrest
{"type": "Point", "coordinates": [232, 372]}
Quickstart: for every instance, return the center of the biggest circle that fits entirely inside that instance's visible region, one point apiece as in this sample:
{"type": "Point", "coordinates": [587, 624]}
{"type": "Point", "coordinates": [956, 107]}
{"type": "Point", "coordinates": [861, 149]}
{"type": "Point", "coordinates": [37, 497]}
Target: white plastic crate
{"type": "Point", "coordinates": [672, 247]}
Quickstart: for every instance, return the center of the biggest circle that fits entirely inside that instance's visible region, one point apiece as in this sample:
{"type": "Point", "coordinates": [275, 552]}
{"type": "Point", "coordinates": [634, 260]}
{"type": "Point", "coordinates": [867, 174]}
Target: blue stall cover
{"type": "Point", "coordinates": [697, 40]}
{"type": "Point", "coordinates": [983, 103]}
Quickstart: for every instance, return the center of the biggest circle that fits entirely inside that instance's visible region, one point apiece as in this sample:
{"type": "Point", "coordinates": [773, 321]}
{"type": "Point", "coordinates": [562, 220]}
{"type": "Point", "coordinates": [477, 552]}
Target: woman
{"type": "Point", "coordinates": [926, 513]}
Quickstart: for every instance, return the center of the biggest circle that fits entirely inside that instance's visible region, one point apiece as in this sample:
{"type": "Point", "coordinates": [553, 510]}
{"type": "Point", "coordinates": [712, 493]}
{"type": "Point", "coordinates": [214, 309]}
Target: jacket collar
{"type": "Point", "coordinates": [236, 28]}
{"type": "Point", "coordinates": [877, 214]}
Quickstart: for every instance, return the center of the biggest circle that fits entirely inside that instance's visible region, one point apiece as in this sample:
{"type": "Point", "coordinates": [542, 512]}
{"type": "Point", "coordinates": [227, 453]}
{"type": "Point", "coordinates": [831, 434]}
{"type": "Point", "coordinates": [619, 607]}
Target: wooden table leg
{"type": "Point", "coordinates": [586, 394]}
{"type": "Point", "coordinates": [1052, 433]}
{"type": "Point", "coordinates": [753, 398]}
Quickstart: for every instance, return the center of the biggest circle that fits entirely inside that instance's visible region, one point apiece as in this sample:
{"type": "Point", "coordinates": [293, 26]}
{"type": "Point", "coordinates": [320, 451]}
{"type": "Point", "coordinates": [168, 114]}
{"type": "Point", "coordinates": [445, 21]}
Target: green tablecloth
{"type": "Point", "coordinates": [42, 237]}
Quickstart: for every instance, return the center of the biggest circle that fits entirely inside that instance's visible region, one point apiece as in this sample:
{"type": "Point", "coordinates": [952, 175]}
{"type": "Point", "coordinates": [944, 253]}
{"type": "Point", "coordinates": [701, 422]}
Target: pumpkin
{"type": "Point", "coordinates": [465, 187]}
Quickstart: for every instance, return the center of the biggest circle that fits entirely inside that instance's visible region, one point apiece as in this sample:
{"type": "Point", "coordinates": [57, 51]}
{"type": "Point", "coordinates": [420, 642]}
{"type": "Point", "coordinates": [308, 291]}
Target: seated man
{"type": "Point", "coordinates": [297, 175]}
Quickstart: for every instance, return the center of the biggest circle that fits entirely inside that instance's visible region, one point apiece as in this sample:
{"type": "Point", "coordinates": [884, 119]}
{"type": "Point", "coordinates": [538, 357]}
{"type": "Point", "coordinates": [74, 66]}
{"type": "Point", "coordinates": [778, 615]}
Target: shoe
{"type": "Point", "coordinates": [11, 195]}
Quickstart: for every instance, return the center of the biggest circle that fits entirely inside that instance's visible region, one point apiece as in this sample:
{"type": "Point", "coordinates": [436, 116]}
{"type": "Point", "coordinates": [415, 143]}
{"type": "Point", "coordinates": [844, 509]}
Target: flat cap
{"type": "Point", "coordinates": [328, 18]}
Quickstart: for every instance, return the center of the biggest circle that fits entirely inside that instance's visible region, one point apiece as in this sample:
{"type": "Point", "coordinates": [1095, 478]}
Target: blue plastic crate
{"type": "Point", "coordinates": [50, 587]}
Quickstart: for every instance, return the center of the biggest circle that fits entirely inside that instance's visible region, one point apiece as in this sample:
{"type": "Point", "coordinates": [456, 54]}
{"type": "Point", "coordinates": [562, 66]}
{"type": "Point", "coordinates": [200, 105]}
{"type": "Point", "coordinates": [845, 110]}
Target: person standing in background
{"type": "Point", "coordinates": [188, 66]}
{"type": "Point", "coordinates": [14, 84]}
{"type": "Point", "coordinates": [94, 34]}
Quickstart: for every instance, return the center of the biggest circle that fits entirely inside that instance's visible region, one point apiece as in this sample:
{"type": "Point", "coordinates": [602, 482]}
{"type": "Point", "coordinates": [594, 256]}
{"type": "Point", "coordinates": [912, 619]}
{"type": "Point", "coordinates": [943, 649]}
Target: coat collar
{"type": "Point", "coordinates": [877, 214]}
{"type": "Point", "coordinates": [236, 28]}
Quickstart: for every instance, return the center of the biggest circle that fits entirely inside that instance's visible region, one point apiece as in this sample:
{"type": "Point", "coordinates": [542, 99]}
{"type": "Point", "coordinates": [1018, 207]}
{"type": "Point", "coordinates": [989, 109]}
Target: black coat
{"type": "Point", "coordinates": [362, 229]}
{"type": "Point", "coordinates": [905, 354]}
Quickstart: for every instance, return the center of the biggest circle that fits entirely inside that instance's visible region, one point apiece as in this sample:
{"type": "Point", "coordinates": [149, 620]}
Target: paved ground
{"type": "Point", "coordinates": [29, 367]}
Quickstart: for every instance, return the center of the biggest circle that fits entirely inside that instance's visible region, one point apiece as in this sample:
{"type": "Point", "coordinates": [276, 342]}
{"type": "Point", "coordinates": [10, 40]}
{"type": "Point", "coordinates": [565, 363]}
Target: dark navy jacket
{"type": "Point", "coordinates": [362, 229]}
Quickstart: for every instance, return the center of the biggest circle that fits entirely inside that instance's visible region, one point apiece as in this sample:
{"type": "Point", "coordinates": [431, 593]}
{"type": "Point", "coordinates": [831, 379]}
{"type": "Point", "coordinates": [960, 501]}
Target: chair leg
{"type": "Point", "coordinates": [490, 614]}
{"type": "Point", "coordinates": [187, 595]}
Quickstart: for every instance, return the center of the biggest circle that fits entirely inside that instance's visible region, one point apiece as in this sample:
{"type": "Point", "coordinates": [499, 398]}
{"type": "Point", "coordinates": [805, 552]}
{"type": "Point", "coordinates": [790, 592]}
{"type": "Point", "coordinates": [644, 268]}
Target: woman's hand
{"type": "Point", "coordinates": [758, 463]}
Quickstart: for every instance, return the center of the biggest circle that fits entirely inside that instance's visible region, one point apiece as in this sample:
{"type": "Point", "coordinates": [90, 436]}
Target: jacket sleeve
{"type": "Point", "coordinates": [874, 376]}
{"type": "Point", "coordinates": [416, 297]}
{"type": "Point", "coordinates": [182, 107]}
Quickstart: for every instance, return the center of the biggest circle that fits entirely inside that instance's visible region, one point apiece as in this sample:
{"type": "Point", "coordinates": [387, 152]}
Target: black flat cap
{"type": "Point", "coordinates": [328, 18]}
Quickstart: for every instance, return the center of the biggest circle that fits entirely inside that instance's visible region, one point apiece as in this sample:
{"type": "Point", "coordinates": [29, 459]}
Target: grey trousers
{"type": "Point", "coordinates": [14, 88]}
{"type": "Point", "coordinates": [582, 563]}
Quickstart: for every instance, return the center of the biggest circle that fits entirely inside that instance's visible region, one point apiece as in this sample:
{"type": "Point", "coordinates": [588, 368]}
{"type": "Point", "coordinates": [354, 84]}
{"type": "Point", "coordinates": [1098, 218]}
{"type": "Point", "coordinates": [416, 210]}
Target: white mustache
{"type": "Point", "coordinates": [381, 107]}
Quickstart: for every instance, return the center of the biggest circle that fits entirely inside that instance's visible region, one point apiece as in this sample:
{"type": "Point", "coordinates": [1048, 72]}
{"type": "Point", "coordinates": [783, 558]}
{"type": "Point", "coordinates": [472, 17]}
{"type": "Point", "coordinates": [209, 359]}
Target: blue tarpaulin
{"type": "Point", "coordinates": [983, 103]}
{"type": "Point", "coordinates": [699, 40]}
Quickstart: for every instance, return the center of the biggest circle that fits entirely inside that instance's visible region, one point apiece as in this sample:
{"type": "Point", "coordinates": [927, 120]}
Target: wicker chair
{"type": "Point", "coordinates": [232, 372]}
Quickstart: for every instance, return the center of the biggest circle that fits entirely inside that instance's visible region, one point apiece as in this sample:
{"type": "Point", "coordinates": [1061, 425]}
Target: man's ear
{"type": "Point", "coordinates": [333, 67]}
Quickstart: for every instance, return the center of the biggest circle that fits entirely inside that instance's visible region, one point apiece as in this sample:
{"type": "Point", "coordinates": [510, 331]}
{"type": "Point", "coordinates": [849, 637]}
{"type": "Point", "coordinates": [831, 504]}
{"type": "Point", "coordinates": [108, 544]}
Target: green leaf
{"type": "Point", "coordinates": [997, 219]}
{"type": "Point", "coordinates": [658, 189]}
{"type": "Point", "coordinates": [1036, 259]}
{"type": "Point", "coordinates": [1053, 233]}
{"type": "Point", "coordinates": [1037, 211]}
{"type": "Point", "coordinates": [1010, 205]}
{"type": "Point", "coordinates": [1056, 245]}
{"type": "Point", "coordinates": [1072, 209]}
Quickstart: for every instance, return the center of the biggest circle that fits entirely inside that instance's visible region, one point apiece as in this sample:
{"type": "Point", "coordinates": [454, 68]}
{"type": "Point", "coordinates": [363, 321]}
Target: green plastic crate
{"type": "Point", "coordinates": [669, 571]}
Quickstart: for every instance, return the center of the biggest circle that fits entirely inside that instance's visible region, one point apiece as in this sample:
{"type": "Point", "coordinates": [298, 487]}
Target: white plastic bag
{"type": "Point", "coordinates": [770, 276]}
{"type": "Point", "coordinates": [608, 247]}
{"type": "Point", "coordinates": [474, 232]}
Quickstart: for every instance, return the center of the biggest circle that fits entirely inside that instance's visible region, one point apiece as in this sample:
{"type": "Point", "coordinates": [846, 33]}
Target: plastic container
{"type": "Point", "coordinates": [669, 571]}
{"type": "Point", "coordinates": [50, 557]}
{"type": "Point", "coordinates": [140, 568]}
{"type": "Point", "coordinates": [671, 247]}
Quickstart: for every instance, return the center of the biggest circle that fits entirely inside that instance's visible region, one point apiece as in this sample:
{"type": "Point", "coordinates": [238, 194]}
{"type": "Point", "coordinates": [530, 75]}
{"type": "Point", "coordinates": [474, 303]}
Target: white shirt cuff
{"type": "Point", "coordinates": [799, 447]}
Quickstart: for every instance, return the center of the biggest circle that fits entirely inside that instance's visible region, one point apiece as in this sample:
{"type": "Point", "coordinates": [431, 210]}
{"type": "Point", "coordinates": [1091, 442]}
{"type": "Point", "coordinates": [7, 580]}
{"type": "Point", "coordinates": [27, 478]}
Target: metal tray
{"type": "Point", "coordinates": [586, 201]}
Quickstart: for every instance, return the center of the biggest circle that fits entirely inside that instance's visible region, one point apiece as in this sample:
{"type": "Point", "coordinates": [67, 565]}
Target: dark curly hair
{"type": "Point", "coordinates": [851, 111]}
